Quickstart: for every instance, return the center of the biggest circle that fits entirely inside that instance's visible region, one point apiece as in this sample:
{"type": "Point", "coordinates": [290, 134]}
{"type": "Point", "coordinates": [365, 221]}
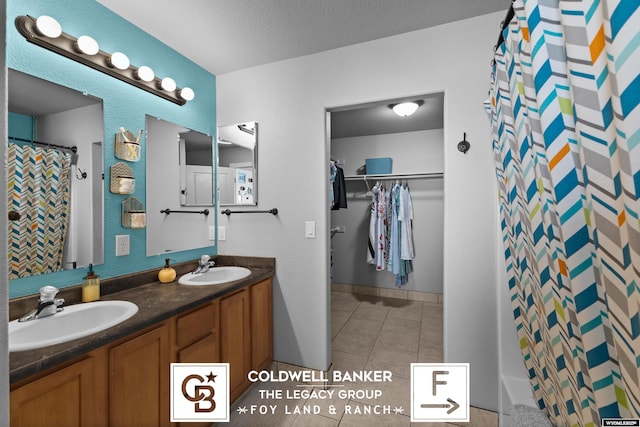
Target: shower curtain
{"type": "Point", "coordinates": [565, 116]}
{"type": "Point", "coordinates": [38, 190]}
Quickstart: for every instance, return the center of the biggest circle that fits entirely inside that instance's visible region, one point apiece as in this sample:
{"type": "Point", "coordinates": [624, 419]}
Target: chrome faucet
{"type": "Point", "coordinates": [204, 265]}
{"type": "Point", "coordinates": [48, 304]}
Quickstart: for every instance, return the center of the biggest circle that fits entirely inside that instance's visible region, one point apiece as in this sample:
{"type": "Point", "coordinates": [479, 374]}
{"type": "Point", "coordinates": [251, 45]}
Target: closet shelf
{"type": "Point", "coordinates": [395, 176]}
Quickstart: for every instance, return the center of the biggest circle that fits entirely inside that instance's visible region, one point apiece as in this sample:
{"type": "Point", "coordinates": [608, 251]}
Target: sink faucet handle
{"type": "Point", "coordinates": [204, 259]}
{"type": "Point", "coordinates": [48, 293]}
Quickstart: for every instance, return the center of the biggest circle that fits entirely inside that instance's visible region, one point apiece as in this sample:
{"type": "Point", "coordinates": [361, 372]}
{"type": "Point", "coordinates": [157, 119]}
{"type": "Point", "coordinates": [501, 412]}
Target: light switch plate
{"type": "Point", "coordinates": [222, 233]}
{"type": "Point", "coordinates": [310, 229]}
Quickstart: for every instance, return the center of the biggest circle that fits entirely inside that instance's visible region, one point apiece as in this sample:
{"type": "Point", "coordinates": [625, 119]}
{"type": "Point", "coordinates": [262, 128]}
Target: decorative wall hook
{"type": "Point", "coordinates": [464, 145]}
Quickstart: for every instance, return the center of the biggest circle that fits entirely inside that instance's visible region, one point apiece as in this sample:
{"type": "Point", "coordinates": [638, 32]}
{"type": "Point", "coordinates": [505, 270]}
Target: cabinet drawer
{"type": "Point", "coordinates": [195, 325]}
{"type": "Point", "coordinates": [203, 351]}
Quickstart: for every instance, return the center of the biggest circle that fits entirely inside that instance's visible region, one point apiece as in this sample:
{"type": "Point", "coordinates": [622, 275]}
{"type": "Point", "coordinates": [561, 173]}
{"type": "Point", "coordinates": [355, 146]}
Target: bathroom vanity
{"type": "Point", "coordinates": [120, 376]}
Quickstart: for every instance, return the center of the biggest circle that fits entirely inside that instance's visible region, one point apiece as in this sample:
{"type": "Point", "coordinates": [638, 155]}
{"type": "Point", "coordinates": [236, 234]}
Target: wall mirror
{"type": "Point", "coordinates": [237, 181]}
{"type": "Point", "coordinates": [55, 192]}
{"type": "Point", "coordinates": [179, 175]}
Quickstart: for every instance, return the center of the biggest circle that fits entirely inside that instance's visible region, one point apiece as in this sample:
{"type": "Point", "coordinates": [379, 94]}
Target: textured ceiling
{"type": "Point", "coordinates": [228, 35]}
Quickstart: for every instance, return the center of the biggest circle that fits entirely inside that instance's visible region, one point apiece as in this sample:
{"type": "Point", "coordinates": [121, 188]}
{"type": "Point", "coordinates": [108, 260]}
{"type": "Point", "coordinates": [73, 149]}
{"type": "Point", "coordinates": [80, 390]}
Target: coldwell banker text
{"type": "Point", "coordinates": [308, 376]}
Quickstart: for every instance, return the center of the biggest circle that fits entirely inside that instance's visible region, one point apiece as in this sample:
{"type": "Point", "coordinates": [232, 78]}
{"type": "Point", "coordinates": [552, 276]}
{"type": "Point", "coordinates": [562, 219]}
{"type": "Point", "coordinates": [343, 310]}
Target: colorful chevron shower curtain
{"type": "Point", "coordinates": [38, 182]}
{"type": "Point", "coordinates": [565, 114]}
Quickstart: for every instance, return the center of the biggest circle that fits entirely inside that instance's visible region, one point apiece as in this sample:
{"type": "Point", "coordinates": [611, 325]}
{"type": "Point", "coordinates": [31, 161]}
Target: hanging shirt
{"type": "Point", "coordinates": [339, 190]}
{"type": "Point", "coordinates": [377, 244]}
{"type": "Point", "coordinates": [405, 216]}
{"type": "Point", "coordinates": [394, 238]}
{"type": "Point", "coordinates": [381, 229]}
{"type": "Point", "coordinates": [333, 170]}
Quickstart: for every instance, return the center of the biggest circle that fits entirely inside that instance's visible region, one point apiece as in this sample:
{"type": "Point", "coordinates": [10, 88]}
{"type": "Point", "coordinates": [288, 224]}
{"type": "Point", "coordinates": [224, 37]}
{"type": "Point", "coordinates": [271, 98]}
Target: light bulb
{"type": "Point", "coordinates": [168, 84]}
{"type": "Point", "coordinates": [187, 93]}
{"type": "Point", "coordinates": [118, 60]}
{"type": "Point", "coordinates": [48, 27]}
{"type": "Point", "coordinates": [145, 73]}
{"type": "Point", "coordinates": [87, 45]}
{"type": "Point", "coordinates": [405, 109]}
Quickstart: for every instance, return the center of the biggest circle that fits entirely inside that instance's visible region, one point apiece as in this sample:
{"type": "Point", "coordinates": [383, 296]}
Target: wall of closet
{"type": "Point", "coordinates": [418, 160]}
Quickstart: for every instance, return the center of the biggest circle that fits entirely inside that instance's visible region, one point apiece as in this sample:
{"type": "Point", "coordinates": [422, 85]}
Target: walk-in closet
{"type": "Point", "coordinates": [386, 180]}
{"type": "Point", "coordinates": [410, 152]}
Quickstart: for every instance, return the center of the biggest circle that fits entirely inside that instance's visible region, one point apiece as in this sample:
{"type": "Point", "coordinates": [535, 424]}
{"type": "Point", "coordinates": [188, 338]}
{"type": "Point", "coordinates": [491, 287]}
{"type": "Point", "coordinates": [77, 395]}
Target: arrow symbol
{"type": "Point", "coordinates": [452, 405]}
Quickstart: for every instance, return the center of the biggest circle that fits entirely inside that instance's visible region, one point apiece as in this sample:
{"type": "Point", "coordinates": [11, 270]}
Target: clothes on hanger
{"type": "Point", "coordinates": [337, 188]}
{"type": "Point", "coordinates": [390, 244]}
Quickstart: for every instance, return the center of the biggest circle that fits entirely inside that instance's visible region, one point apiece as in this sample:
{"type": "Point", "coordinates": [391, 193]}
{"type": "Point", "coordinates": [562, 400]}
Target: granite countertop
{"type": "Point", "coordinates": [156, 302]}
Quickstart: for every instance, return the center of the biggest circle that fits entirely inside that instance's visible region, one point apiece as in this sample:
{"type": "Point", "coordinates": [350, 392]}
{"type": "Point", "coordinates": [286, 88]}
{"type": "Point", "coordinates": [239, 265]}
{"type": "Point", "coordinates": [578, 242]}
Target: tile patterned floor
{"type": "Point", "coordinates": [368, 333]}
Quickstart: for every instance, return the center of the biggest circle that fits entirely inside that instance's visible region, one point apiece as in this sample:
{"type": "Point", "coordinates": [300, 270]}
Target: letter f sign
{"type": "Point", "coordinates": [435, 380]}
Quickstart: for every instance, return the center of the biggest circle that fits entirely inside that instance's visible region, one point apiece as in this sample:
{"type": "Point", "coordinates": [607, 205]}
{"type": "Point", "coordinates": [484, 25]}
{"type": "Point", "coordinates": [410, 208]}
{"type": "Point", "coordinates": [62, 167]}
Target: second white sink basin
{"type": "Point", "coordinates": [75, 321]}
{"type": "Point", "coordinates": [215, 276]}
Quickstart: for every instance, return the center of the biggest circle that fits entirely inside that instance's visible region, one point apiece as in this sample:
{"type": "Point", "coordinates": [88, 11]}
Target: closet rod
{"type": "Point", "coordinates": [395, 176]}
{"type": "Point", "coordinates": [73, 149]}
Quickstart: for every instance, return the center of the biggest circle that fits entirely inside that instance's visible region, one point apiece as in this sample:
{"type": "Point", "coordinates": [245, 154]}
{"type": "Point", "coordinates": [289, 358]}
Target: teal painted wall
{"type": "Point", "coordinates": [124, 106]}
{"type": "Point", "coordinates": [20, 126]}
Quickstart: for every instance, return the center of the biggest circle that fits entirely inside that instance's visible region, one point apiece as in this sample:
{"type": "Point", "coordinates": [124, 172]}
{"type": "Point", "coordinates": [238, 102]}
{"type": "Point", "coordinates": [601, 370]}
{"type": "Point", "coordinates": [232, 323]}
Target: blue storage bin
{"type": "Point", "coordinates": [379, 165]}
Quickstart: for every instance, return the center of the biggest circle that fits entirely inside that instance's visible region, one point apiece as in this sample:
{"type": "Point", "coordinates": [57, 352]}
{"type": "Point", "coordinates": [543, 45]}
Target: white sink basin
{"type": "Point", "coordinates": [215, 276]}
{"type": "Point", "coordinates": [75, 321]}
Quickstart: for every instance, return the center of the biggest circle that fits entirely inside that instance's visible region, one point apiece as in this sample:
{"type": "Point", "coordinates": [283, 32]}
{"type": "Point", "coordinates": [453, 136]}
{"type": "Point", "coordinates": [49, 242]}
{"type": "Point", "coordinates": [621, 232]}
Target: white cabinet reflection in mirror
{"type": "Point", "coordinates": [237, 164]}
{"type": "Point", "coordinates": [179, 173]}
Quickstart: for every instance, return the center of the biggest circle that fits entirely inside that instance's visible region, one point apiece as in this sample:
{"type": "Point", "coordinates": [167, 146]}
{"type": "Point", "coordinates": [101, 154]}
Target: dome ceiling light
{"type": "Point", "coordinates": [405, 109]}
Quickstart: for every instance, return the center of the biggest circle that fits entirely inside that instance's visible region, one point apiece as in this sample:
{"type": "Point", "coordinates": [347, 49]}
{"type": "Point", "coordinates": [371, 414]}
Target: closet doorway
{"type": "Point", "coordinates": [375, 323]}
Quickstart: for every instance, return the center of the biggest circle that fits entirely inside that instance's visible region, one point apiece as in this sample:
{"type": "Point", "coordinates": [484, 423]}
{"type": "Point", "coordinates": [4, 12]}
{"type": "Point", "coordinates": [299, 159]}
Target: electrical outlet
{"type": "Point", "coordinates": [122, 245]}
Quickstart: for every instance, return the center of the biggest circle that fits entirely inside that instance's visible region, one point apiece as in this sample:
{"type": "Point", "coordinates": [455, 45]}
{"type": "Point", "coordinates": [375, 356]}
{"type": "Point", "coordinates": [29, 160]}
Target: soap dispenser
{"type": "Point", "coordinates": [167, 273]}
{"type": "Point", "coordinates": [91, 286]}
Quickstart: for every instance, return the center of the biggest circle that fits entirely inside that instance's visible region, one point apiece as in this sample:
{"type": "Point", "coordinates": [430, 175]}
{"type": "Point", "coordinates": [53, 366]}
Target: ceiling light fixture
{"type": "Point", "coordinates": [405, 109]}
{"type": "Point", "coordinates": [46, 32]}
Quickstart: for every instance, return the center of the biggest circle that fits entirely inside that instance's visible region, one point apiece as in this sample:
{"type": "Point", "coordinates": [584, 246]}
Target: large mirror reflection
{"type": "Point", "coordinates": [179, 188]}
{"type": "Point", "coordinates": [237, 182]}
{"type": "Point", "coordinates": [196, 168]}
{"type": "Point", "coordinates": [54, 176]}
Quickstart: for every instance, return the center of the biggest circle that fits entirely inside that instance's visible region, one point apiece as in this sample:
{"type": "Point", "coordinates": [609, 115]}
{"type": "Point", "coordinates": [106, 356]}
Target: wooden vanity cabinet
{"type": "Point", "coordinates": [126, 383]}
{"type": "Point", "coordinates": [70, 396]}
{"type": "Point", "coordinates": [246, 333]}
{"type": "Point", "coordinates": [139, 380]}
{"type": "Point", "coordinates": [261, 325]}
{"type": "Point", "coordinates": [235, 339]}
{"type": "Point", "coordinates": [197, 333]}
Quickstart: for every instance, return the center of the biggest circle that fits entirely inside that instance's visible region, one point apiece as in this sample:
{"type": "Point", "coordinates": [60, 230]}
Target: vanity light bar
{"type": "Point", "coordinates": [116, 64]}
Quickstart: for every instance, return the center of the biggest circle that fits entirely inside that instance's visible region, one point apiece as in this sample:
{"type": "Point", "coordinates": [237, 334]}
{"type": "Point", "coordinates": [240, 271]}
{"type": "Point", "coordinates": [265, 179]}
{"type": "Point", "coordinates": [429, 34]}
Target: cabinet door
{"type": "Point", "coordinates": [139, 380]}
{"type": "Point", "coordinates": [203, 351]}
{"type": "Point", "coordinates": [67, 397]}
{"type": "Point", "coordinates": [235, 339]}
{"type": "Point", "coordinates": [261, 325]}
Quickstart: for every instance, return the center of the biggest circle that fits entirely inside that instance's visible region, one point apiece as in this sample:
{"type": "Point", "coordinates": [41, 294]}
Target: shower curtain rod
{"type": "Point", "coordinates": [73, 149]}
{"type": "Point", "coordinates": [504, 24]}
